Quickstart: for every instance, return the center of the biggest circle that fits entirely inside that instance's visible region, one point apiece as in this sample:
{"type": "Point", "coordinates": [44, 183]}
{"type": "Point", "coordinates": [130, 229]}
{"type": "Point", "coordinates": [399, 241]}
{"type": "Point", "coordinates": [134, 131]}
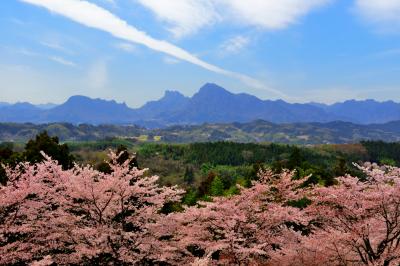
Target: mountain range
{"type": "Point", "coordinates": [211, 104]}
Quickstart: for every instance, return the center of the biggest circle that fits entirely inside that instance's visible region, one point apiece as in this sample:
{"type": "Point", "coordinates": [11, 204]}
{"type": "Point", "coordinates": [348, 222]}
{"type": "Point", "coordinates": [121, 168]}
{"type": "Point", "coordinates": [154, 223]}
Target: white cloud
{"type": "Point", "coordinates": [126, 47]}
{"type": "Point", "coordinates": [26, 52]}
{"type": "Point", "coordinates": [98, 74]}
{"type": "Point", "coordinates": [271, 14]}
{"type": "Point", "coordinates": [52, 45]}
{"type": "Point", "coordinates": [62, 61]}
{"type": "Point", "coordinates": [234, 44]}
{"type": "Point", "coordinates": [55, 46]}
{"type": "Point", "coordinates": [384, 13]}
{"type": "Point", "coordinates": [57, 59]}
{"type": "Point", "coordinates": [170, 60]}
{"type": "Point", "coordinates": [188, 16]}
{"type": "Point", "coordinates": [184, 16]}
{"type": "Point", "coordinates": [96, 17]}
{"type": "Point", "coordinates": [18, 22]}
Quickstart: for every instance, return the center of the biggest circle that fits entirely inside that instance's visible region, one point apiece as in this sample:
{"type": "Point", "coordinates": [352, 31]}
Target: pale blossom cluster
{"type": "Point", "coordinates": [244, 229]}
{"type": "Point", "coordinates": [78, 216]}
{"type": "Point", "coordinates": [81, 216]}
{"type": "Point", "coordinates": [356, 222]}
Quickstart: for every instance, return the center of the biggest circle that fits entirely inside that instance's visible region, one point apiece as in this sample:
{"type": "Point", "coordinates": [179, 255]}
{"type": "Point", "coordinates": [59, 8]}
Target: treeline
{"type": "Point", "coordinates": [33, 153]}
{"type": "Point", "coordinates": [34, 150]}
{"type": "Point", "coordinates": [227, 153]}
{"type": "Point", "coordinates": [258, 131]}
{"type": "Point", "coordinates": [213, 168]}
{"type": "Point", "coordinates": [66, 131]}
{"type": "Point", "coordinates": [383, 152]}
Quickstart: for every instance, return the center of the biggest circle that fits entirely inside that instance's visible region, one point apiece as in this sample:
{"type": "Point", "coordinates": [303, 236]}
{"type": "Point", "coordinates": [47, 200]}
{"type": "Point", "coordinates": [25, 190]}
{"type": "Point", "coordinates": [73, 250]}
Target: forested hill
{"type": "Point", "coordinates": [256, 131]}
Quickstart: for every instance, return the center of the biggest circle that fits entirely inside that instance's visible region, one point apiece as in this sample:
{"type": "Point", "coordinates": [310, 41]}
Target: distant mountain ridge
{"type": "Point", "coordinates": [211, 104]}
{"type": "Point", "coordinates": [81, 109]}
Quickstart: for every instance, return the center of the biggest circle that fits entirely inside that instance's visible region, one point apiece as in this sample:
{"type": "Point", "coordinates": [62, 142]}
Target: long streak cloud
{"type": "Point", "coordinates": [93, 16]}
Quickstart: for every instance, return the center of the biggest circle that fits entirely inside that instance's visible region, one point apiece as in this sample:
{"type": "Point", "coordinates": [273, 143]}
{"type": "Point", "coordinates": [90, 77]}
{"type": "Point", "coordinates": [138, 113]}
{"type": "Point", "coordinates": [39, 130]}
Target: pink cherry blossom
{"type": "Point", "coordinates": [81, 216]}
{"type": "Point", "coordinates": [356, 222]}
{"type": "Point", "coordinates": [243, 229]}
{"type": "Point", "coordinates": [49, 214]}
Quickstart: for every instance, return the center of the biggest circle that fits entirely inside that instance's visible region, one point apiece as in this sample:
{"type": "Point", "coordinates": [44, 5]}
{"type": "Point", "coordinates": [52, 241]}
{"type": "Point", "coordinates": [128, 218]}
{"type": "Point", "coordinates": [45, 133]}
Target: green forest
{"type": "Point", "coordinates": [209, 168]}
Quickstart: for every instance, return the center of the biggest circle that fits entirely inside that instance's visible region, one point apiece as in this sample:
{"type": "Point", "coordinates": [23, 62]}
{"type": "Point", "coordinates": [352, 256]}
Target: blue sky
{"type": "Point", "coordinates": [133, 50]}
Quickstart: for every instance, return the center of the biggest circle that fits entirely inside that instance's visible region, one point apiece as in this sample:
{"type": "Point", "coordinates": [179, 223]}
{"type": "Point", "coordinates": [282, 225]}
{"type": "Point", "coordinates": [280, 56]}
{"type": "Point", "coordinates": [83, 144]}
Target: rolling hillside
{"type": "Point", "coordinates": [256, 131]}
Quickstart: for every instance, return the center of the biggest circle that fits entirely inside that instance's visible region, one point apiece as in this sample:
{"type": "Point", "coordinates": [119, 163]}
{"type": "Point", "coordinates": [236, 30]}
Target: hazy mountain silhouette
{"type": "Point", "coordinates": [46, 106]}
{"type": "Point", "coordinates": [366, 112]}
{"type": "Point", "coordinates": [19, 112]}
{"type": "Point", "coordinates": [172, 102]}
{"type": "Point", "coordinates": [215, 104]}
{"type": "Point", "coordinates": [211, 104]}
{"type": "Point", "coordinates": [81, 109]}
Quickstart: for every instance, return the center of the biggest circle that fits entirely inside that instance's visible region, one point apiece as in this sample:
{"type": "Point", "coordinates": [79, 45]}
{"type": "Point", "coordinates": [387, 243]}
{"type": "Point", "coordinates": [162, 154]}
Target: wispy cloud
{"type": "Point", "coordinates": [170, 60]}
{"type": "Point", "coordinates": [56, 46]}
{"type": "Point", "coordinates": [383, 13]}
{"type": "Point", "coordinates": [24, 51]}
{"type": "Point", "coordinates": [126, 47]}
{"type": "Point", "coordinates": [188, 16]}
{"type": "Point", "coordinates": [234, 44]}
{"type": "Point", "coordinates": [94, 16]}
{"type": "Point", "coordinates": [62, 61]}
{"type": "Point", "coordinates": [18, 22]}
{"type": "Point", "coordinates": [184, 17]}
{"type": "Point", "coordinates": [57, 59]}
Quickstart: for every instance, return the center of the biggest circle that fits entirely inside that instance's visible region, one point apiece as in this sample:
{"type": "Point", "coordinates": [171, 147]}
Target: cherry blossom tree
{"type": "Point", "coordinates": [76, 216]}
{"type": "Point", "coordinates": [31, 217]}
{"type": "Point", "coordinates": [243, 229]}
{"type": "Point", "coordinates": [356, 222]}
{"type": "Point", "coordinates": [82, 216]}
